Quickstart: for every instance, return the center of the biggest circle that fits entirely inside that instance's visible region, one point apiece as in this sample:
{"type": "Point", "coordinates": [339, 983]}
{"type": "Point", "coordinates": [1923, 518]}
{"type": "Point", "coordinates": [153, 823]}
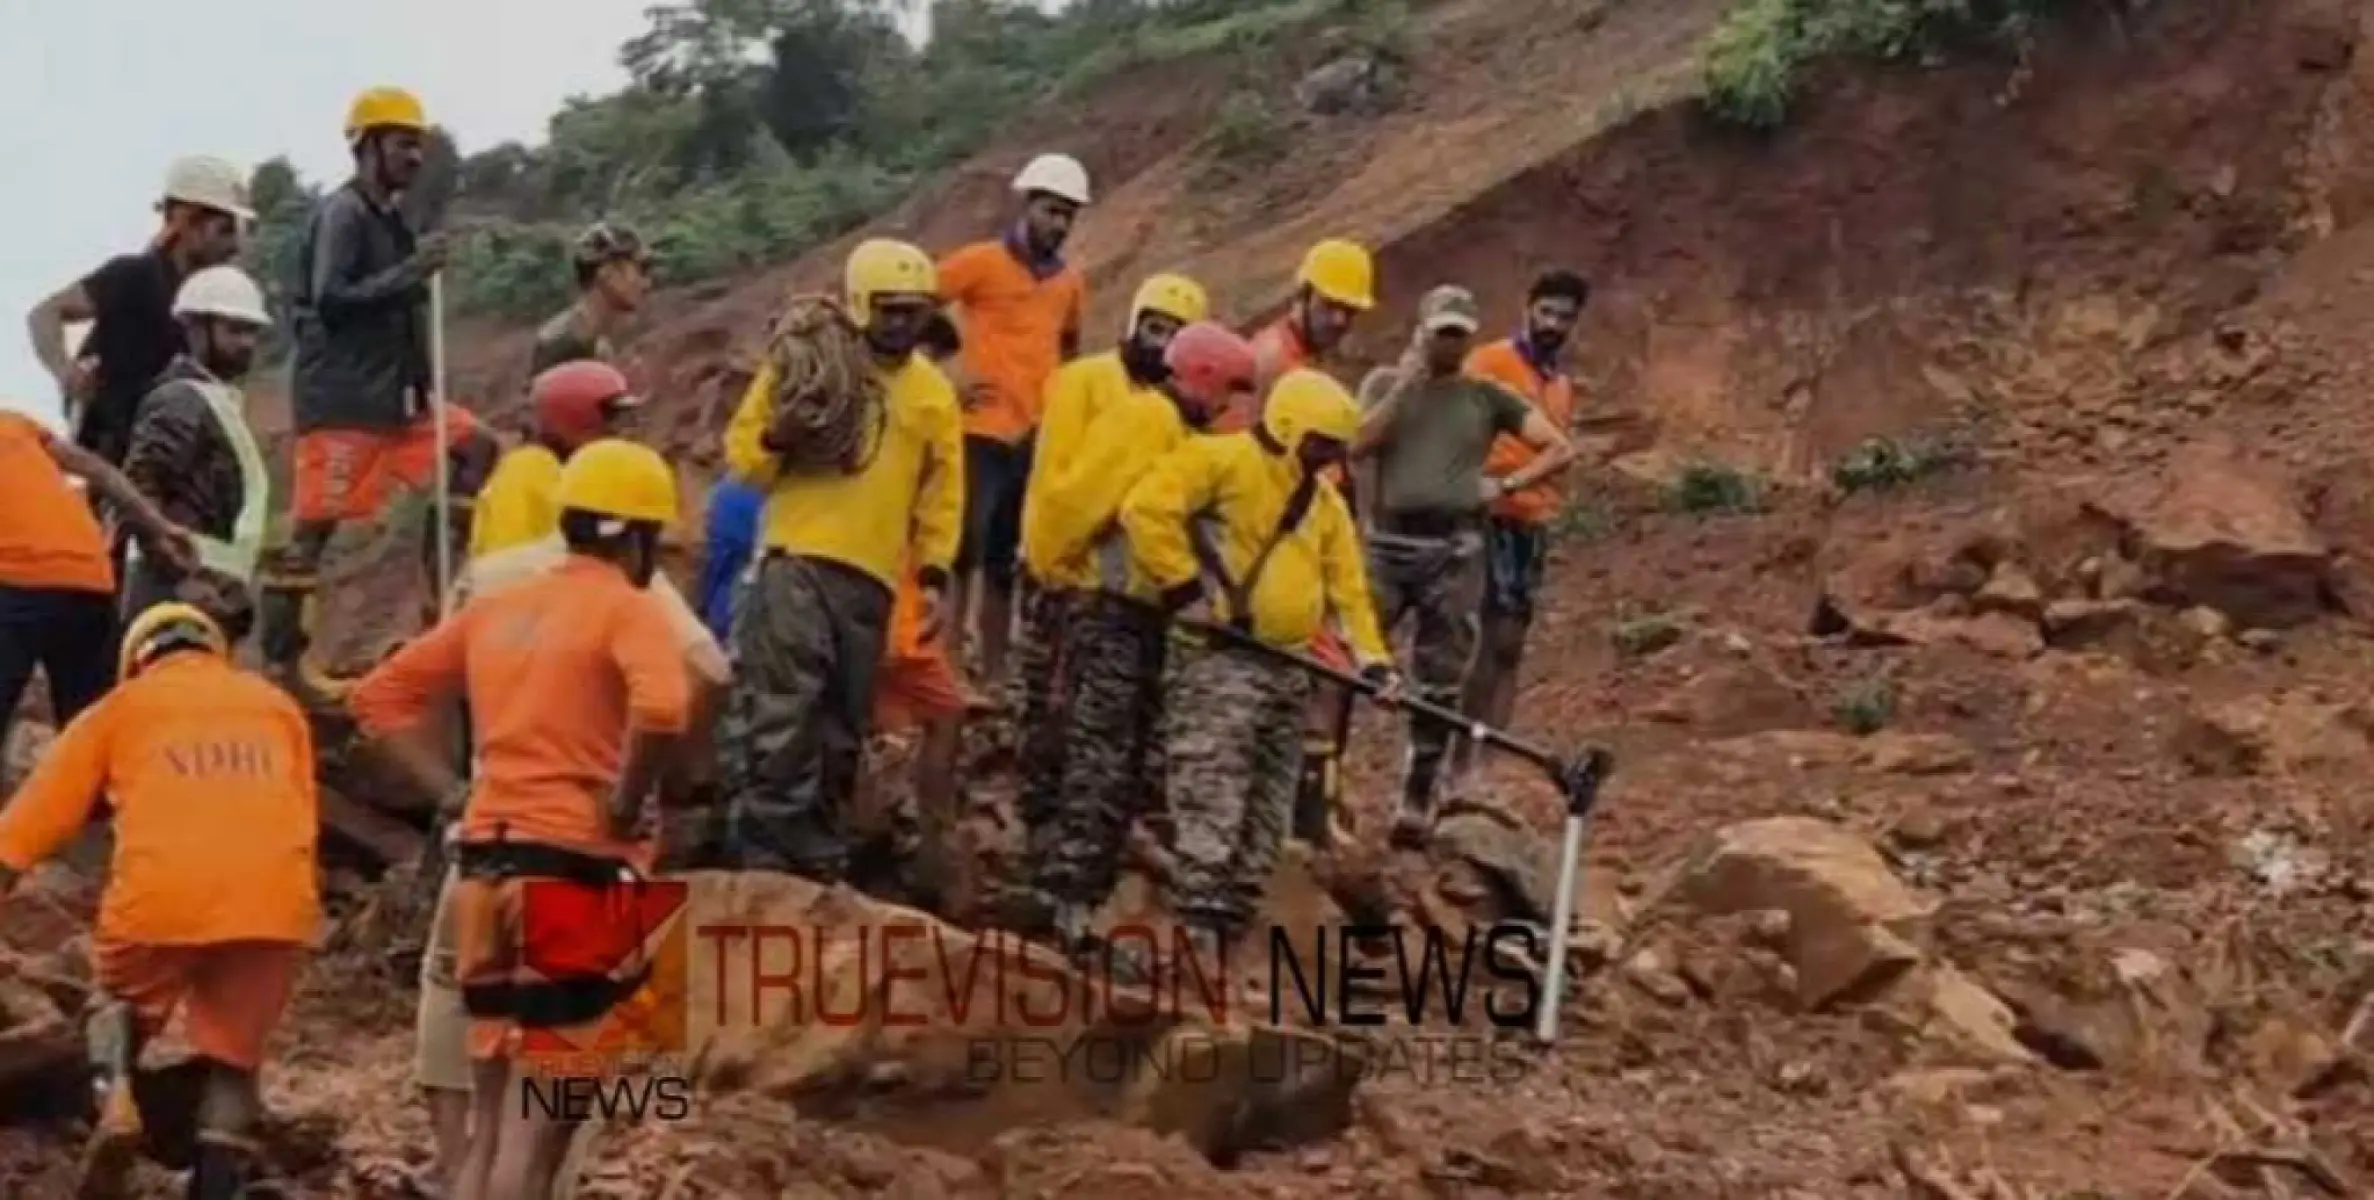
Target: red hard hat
{"type": "Point", "coordinates": [573, 400]}
{"type": "Point", "coordinates": [1209, 363]}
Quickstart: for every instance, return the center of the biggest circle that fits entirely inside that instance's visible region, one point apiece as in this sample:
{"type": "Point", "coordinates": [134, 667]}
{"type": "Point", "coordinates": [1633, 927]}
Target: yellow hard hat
{"type": "Point", "coordinates": [385, 108]}
{"type": "Point", "coordinates": [1341, 271]}
{"type": "Point", "coordinates": [1304, 403]}
{"type": "Point", "coordinates": [163, 625]}
{"type": "Point", "coordinates": [882, 267]}
{"type": "Point", "coordinates": [619, 479]}
{"type": "Point", "coordinates": [1174, 296]}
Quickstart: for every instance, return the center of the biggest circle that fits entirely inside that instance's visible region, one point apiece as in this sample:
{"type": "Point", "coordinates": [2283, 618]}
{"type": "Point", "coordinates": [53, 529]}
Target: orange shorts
{"type": "Point", "coordinates": [915, 689]}
{"type": "Point", "coordinates": [230, 994]}
{"type": "Point", "coordinates": [575, 929]}
{"type": "Point", "coordinates": [349, 474]}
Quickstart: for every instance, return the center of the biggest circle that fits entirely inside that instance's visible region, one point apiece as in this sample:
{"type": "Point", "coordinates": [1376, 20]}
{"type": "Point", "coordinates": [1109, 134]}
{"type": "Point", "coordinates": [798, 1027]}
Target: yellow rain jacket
{"type": "Point", "coordinates": [520, 502]}
{"type": "Point", "coordinates": [1079, 544]}
{"type": "Point", "coordinates": [1079, 394]}
{"type": "Point", "coordinates": [908, 498]}
{"type": "Point", "coordinates": [1316, 571]}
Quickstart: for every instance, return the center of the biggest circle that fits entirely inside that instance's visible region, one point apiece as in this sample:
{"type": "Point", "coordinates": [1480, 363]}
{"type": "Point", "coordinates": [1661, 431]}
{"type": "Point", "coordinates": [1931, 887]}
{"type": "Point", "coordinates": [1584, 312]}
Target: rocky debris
{"type": "Point", "coordinates": [27, 741]}
{"type": "Point", "coordinates": [1896, 753]}
{"type": "Point", "coordinates": [884, 1015]}
{"type": "Point", "coordinates": [1733, 698]}
{"type": "Point", "coordinates": [2128, 1010]}
{"type": "Point", "coordinates": [1964, 1020]}
{"type": "Point", "coordinates": [2221, 531]}
{"type": "Point", "coordinates": [2011, 591]}
{"type": "Point", "coordinates": [1356, 82]}
{"type": "Point", "coordinates": [1518, 862]}
{"type": "Point", "coordinates": [36, 1036]}
{"type": "Point", "coordinates": [2273, 735]}
{"type": "Point", "coordinates": [1853, 927]}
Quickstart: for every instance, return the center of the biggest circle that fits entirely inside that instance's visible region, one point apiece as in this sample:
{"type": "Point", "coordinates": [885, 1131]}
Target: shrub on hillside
{"type": "Point", "coordinates": [1754, 58]}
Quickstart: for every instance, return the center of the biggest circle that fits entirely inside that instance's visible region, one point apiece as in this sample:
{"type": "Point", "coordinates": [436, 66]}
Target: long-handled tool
{"type": "Point", "coordinates": [1578, 779]}
{"type": "Point", "coordinates": [442, 499]}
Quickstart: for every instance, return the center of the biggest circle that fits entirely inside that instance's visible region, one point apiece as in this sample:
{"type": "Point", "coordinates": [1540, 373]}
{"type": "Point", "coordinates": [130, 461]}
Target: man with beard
{"type": "Point", "coordinates": [1019, 305]}
{"type": "Point", "coordinates": [613, 275]}
{"type": "Point", "coordinates": [1080, 393]}
{"type": "Point", "coordinates": [192, 450]}
{"type": "Point", "coordinates": [361, 386]}
{"type": "Point", "coordinates": [1114, 637]}
{"type": "Point", "coordinates": [1428, 427]}
{"type": "Point", "coordinates": [129, 301]}
{"type": "Point", "coordinates": [1532, 364]}
{"type": "Point", "coordinates": [832, 546]}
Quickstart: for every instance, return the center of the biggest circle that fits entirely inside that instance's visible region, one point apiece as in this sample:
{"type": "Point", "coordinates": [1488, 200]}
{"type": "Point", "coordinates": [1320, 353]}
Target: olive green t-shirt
{"type": "Point", "coordinates": [561, 341]}
{"type": "Point", "coordinates": [1432, 459]}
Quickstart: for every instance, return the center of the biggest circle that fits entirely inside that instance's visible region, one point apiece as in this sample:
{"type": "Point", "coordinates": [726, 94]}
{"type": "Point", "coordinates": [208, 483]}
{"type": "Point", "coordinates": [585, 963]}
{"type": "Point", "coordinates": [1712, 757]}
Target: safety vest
{"type": "Point", "coordinates": [237, 557]}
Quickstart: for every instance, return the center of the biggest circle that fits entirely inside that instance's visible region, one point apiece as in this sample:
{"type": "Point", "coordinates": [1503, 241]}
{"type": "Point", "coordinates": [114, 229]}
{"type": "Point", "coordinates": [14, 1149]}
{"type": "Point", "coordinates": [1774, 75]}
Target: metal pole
{"type": "Point", "coordinates": [1545, 1025]}
{"type": "Point", "coordinates": [442, 501]}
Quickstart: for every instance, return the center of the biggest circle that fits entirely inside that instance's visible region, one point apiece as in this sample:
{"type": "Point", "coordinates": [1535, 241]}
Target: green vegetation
{"type": "Point", "coordinates": [1878, 464]}
{"type": "Point", "coordinates": [1706, 489]}
{"type": "Point", "coordinates": [754, 129]}
{"type": "Point", "coordinates": [1866, 708]}
{"type": "Point", "coordinates": [1583, 521]}
{"type": "Point", "coordinates": [1755, 58]}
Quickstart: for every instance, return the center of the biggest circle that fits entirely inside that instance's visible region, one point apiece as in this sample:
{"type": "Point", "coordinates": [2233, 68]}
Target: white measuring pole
{"type": "Point", "coordinates": [1545, 1026]}
{"type": "Point", "coordinates": [442, 502]}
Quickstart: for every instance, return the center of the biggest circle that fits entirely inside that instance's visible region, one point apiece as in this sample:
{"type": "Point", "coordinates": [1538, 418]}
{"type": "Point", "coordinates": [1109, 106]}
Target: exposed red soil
{"type": "Point", "coordinates": [2148, 234]}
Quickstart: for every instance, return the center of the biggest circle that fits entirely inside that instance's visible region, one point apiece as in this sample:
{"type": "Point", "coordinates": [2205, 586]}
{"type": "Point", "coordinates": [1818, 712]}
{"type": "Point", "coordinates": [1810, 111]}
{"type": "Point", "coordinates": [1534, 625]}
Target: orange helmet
{"type": "Point", "coordinates": [574, 400]}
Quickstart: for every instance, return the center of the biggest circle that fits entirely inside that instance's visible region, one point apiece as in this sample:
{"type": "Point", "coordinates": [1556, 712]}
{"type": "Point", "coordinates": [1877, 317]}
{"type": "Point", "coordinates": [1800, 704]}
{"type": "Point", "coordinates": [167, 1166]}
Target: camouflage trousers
{"type": "Point", "coordinates": [1438, 585]}
{"type": "Point", "coordinates": [1234, 728]}
{"type": "Point", "coordinates": [1039, 645]}
{"type": "Point", "coordinates": [791, 742]}
{"type": "Point", "coordinates": [1110, 716]}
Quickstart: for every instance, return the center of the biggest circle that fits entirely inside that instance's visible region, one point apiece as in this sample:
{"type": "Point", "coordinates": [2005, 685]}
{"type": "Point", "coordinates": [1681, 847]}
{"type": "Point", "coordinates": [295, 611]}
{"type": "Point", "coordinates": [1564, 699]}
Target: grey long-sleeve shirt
{"type": "Point", "coordinates": [362, 354]}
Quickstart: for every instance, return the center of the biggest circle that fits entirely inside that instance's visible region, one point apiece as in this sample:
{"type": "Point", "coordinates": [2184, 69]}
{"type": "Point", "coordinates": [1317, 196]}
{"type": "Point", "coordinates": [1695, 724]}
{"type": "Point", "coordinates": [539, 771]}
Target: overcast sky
{"type": "Point", "coordinates": [102, 94]}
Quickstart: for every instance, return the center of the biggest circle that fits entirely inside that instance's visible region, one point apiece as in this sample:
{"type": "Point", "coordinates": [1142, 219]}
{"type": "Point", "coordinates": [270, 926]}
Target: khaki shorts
{"type": "Point", "coordinates": [442, 1054]}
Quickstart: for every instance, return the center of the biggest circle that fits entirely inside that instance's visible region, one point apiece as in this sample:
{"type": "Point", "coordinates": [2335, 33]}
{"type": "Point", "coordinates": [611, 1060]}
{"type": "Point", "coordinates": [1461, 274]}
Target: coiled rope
{"type": "Point", "coordinates": [829, 411]}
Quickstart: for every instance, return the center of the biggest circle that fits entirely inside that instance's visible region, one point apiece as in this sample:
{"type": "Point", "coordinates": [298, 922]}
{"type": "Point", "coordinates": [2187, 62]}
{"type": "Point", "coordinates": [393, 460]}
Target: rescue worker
{"type": "Point", "coordinates": [835, 543]}
{"type": "Point", "coordinates": [129, 301]}
{"type": "Point", "coordinates": [577, 692]}
{"type": "Point", "coordinates": [613, 276]}
{"type": "Point", "coordinates": [576, 403]}
{"type": "Point", "coordinates": [361, 387]}
{"type": "Point", "coordinates": [193, 451]}
{"type": "Point", "coordinates": [1335, 283]}
{"type": "Point", "coordinates": [211, 897]}
{"type": "Point", "coordinates": [1427, 428]}
{"type": "Point", "coordinates": [1114, 637]}
{"type": "Point", "coordinates": [57, 587]}
{"type": "Point", "coordinates": [732, 536]}
{"type": "Point", "coordinates": [1517, 539]}
{"type": "Point", "coordinates": [1078, 394]}
{"type": "Point", "coordinates": [1247, 515]}
{"type": "Point", "coordinates": [1020, 306]}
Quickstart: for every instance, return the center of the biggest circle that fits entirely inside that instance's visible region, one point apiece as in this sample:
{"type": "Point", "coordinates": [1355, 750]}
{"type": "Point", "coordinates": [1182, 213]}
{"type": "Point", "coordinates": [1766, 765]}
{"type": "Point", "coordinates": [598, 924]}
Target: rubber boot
{"type": "Point", "coordinates": [111, 1042]}
{"type": "Point", "coordinates": [291, 616]}
{"type": "Point", "coordinates": [1316, 793]}
{"type": "Point", "coordinates": [224, 1167]}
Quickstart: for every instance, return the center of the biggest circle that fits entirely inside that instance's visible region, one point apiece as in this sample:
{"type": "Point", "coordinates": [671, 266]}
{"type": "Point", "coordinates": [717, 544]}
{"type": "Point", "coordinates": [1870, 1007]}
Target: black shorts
{"type": "Point", "coordinates": [995, 474]}
{"type": "Point", "coordinates": [1515, 556]}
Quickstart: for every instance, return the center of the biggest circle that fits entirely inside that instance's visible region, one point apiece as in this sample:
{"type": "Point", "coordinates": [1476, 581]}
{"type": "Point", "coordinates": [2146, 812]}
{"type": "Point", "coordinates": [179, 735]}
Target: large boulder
{"type": "Point", "coordinates": [2218, 530]}
{"type": "Point", "coordinates": [2274, 735]}
{"type": "Point", "coordinates": [1854, 928]}
{"type": "Point", "coordinates": [876, 1016]}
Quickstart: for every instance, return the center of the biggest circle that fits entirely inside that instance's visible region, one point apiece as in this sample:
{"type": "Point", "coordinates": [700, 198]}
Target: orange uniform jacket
{"type": "Point", "coordinates": [1014, 326]}
{"type": "Point", "coordinates": [558, 669]}
{"type": "Point", "coordinates": [210, 770]}
{"type": "Point", "coordinates": [48, 536]}
{"type": "Point", "coordinates": [1553, 396]}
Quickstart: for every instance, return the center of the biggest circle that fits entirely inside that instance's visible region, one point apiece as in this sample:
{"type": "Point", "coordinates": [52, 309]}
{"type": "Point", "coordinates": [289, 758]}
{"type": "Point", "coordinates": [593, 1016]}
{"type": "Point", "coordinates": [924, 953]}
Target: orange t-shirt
{"type": "Point", "coordinates": [210, 770]}
{"type": "Point", "coordinates": [1014, 324]}
{"type": "Point", "coordinates": [49, 538]}
{"type": "Point", "coordinates": [559, 669]}
{"type": "Point", "coordinates": [1277, 349]}
{"type": "Point", "coordinates": [1502, 363]}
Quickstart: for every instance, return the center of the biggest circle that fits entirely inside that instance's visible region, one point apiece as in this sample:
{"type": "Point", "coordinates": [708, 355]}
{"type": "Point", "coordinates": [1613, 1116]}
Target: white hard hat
{"type": "Point", "coordinates": [209, 183]}
{"type": "Point", "coordinates": [224, 292]}
{"type": "Point", "coordinates": [1057, 175]}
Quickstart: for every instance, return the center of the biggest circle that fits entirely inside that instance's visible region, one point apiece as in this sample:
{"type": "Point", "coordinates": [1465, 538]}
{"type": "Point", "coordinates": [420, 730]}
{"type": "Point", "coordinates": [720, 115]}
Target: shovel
{"type": "Point", "coordinates": [1578, 779]}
